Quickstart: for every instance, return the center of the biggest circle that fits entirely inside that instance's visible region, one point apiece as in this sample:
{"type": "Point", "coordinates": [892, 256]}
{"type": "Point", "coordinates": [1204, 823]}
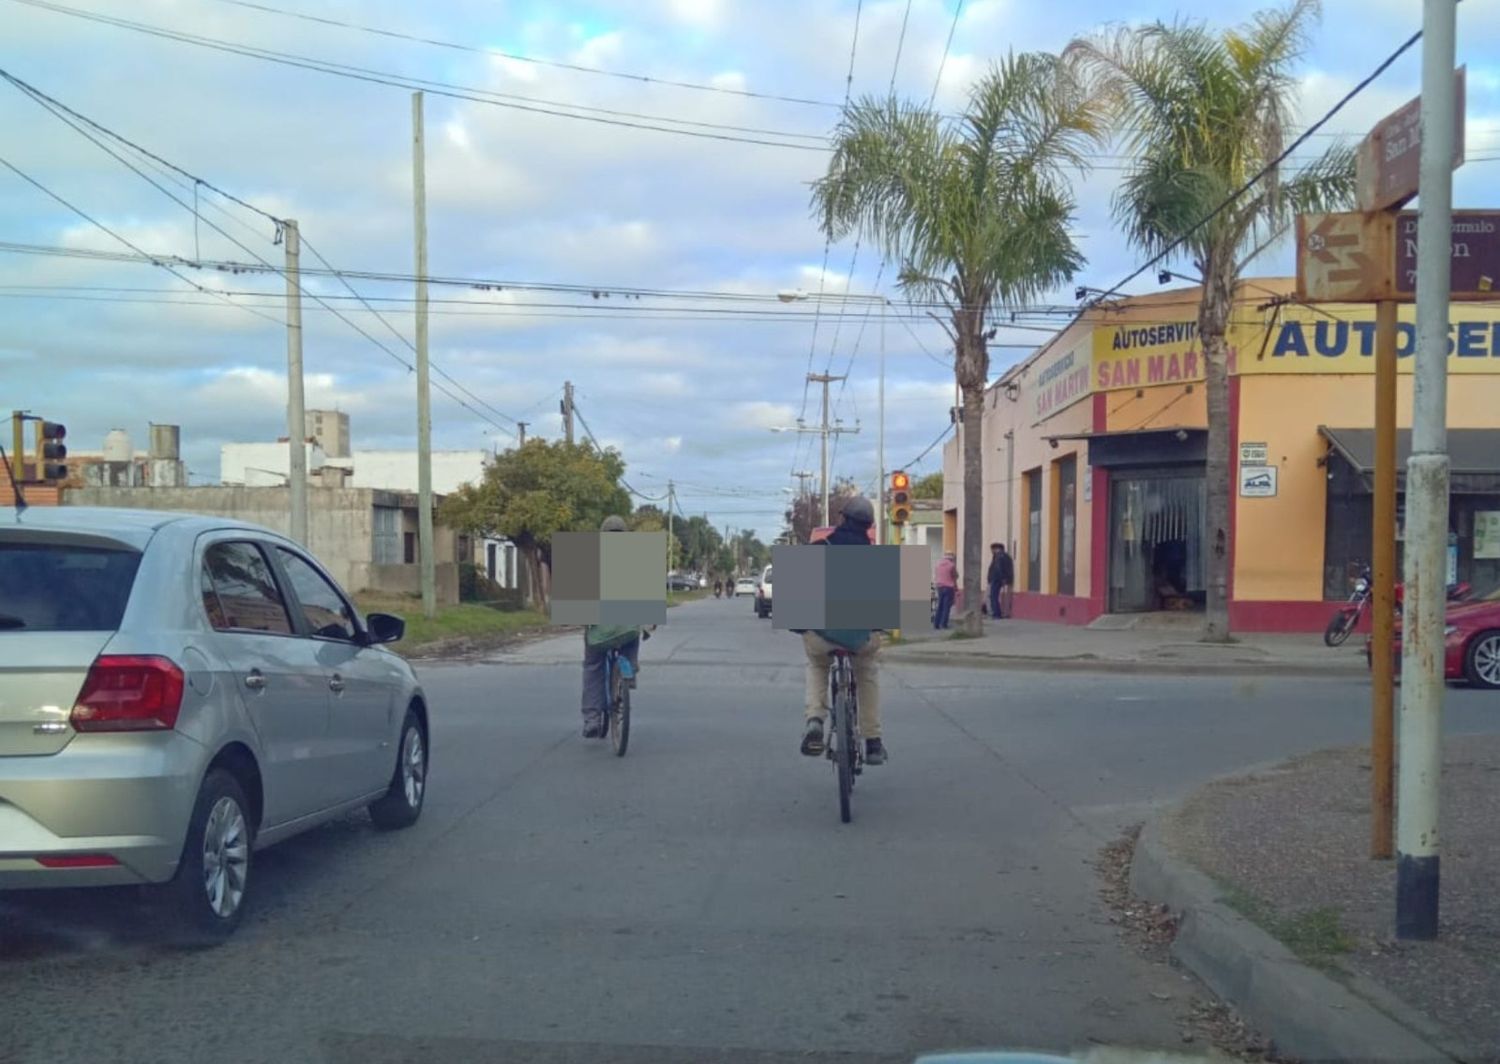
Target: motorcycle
{"type": "Point", "coordinates": [1343, 623]}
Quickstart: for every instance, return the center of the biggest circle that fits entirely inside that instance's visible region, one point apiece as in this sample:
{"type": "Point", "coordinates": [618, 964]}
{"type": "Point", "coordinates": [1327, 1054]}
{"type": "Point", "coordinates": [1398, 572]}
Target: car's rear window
{"type": "Point", "coordinates": [59, 587]}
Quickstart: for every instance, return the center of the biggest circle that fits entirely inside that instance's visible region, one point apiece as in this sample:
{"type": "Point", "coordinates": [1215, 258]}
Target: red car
{"type": "Point", "coordinates": [1472, 642]}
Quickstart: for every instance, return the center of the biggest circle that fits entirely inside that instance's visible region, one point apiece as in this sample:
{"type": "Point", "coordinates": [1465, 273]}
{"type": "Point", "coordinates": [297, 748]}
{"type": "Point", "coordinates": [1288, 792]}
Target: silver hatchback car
{"type": "Point", "coordinates": [177, 692]}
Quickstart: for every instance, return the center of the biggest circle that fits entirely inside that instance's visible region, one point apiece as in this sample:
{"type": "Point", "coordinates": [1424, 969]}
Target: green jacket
{"type": "Point", "coordinates": [610, 635]}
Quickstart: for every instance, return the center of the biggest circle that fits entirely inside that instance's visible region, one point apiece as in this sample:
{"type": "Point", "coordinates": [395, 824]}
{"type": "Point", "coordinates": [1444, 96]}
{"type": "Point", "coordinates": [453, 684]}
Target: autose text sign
{"type": "Point", "coordinates": [1475, 268]}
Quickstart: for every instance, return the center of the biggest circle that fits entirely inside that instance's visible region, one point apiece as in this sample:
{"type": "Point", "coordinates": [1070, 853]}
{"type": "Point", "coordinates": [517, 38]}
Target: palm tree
{"type": "Point", "coordinates": [975, 210]}
{"type": "Point", "coordinates": [1201, 112]}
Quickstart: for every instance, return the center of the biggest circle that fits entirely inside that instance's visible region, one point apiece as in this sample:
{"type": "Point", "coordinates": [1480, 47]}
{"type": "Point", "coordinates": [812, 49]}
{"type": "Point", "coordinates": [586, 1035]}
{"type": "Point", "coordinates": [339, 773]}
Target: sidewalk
{"type": "Point", "coordinates": [1167, 645]}
{"type": "Point", "coordinates": [1284, 852]}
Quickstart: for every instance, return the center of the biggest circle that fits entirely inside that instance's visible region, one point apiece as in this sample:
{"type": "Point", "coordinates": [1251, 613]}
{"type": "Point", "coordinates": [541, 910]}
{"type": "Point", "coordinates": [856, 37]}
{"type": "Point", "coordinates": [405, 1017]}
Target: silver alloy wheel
{"type": "Point", "coordinates": [413, 768]}
{"type": "Point", "coordinates": [226, 854]}
{"type": "Point", "coordinates": [1487, 659]}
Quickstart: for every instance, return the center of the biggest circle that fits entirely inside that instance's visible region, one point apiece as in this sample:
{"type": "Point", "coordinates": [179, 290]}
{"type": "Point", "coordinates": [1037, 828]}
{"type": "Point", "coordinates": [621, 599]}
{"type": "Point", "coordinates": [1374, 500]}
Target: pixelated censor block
{"type": "Point", "coordinates": [820, 587]}
{"type": "Point", "coordinates": [611, 578]}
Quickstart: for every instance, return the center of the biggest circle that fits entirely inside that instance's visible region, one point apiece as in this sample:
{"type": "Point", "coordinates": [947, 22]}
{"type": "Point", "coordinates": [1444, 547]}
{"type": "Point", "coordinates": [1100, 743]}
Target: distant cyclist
{"type": "Point", "coordinates": [863, 645]}
{"type": "Point", "coordinates": [598, 639]}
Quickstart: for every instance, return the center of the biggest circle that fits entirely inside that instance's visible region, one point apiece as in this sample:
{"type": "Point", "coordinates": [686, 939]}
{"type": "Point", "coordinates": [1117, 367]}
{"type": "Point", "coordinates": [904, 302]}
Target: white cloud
{"type": "Point", "coordinates": [760, 414]}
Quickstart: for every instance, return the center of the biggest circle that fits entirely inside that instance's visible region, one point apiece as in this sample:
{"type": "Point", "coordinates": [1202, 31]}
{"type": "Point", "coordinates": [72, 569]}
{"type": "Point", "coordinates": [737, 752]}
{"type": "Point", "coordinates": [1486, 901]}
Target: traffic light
{"type": "Point", "coordinates": [900, 498]}
{"type": "Point", "coordinates": [51, 452]}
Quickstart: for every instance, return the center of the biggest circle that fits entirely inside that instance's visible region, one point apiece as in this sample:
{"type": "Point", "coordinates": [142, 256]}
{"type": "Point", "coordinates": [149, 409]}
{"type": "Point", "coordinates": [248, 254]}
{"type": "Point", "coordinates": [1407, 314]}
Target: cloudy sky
{"type": "Point", "coordinates": [687, 387]}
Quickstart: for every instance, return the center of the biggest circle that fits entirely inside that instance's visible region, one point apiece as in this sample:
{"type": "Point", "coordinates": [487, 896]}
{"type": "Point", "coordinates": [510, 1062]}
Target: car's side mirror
{"type": "Point", "coordinates": [385, 628]}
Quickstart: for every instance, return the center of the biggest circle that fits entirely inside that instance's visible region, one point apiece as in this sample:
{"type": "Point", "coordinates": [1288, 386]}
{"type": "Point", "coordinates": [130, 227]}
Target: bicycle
{"type": "Point", "coordinates": [844, 746]}
{"type": "Point", "coordinates": [619, 681]}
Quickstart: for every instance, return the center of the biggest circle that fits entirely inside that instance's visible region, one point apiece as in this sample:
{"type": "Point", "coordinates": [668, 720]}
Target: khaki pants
{"type": "Point", "coordinates": [866, 680]}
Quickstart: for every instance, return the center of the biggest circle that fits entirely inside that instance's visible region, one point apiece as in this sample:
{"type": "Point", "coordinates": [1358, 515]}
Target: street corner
{"type": "Point", "coordinates": [1282, 912]}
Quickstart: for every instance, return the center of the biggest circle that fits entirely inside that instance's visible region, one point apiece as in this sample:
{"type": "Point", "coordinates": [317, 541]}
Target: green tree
{"type": "Point", "coordinates": [976, 212]}
{"type": "Point", "coordinates": [531, 492]}
{"type": "Point", "coordinates": [1200, 112]}
{"type": "Point", "coordinates": [928, 487]}
{"type": "Point", "coordinates": [806, 511]}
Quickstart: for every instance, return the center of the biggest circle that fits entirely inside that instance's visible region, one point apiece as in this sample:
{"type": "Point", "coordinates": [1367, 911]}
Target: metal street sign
{"type": "Point", "coordinates": [1389, 159]}
{"type": "Point", "coordinates": [1475, 272]}
{"type": "Point", "coordinates": [1258, 482]}
{"type": "Point", "coordinates": [1344, 258]}
{"type": "Point", "coordinates": [1253, 454]}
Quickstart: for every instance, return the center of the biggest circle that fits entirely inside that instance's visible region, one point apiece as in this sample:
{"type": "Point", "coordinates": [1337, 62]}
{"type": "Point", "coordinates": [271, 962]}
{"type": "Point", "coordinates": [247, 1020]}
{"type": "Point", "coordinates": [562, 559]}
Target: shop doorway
{"type": "Point", "coordinates": [1156, 537]}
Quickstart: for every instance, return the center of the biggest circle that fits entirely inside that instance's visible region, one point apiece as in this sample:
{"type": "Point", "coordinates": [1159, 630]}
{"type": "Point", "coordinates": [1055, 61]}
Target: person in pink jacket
{"type": "Point", "coordinates": [945, 576]}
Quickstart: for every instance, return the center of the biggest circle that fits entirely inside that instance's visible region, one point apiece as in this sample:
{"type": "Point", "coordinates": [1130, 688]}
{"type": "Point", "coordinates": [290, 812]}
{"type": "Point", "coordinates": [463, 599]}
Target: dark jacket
{"type": "Point", "coordinates": [1002, 569]}
{"type": "Point", "coordinates": [848, 534]}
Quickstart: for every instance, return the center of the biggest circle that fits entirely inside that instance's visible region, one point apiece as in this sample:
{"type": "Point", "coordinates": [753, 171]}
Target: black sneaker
{"type": "Point", "coordinates": [874, 752]}
{"type": "Point", "coordinates": [812, 738]}
{"type": "Point", "coordinates": [593, 726]}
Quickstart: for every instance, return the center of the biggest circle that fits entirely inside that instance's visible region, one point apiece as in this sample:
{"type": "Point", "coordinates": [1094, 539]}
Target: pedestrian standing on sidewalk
{"type": "Point", "coordinates": [992, 578]}
{"type": "Point", "coordinates": [946, 578]}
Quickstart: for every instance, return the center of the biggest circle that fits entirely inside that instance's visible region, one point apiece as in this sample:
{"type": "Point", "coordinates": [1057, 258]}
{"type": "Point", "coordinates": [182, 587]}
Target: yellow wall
{"type": "Point", "coordinates": [1166, 406]}
{"type": "Point", "coordinates": [1279, 541]}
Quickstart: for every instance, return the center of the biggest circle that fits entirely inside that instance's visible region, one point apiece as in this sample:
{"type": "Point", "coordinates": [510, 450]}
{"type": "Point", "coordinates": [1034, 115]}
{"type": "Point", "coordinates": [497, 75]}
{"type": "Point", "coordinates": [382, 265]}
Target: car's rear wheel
{"type": "Point", "coordinates": [1482, 660]}
{"type": "Point", "coordinates": [207, 895]}
{"type": "Point", "coordinates": [401, 804]}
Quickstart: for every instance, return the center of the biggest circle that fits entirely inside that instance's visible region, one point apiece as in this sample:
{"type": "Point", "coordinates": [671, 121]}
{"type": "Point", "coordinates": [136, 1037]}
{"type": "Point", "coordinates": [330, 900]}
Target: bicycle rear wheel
{"type": "Point", "coordinates": [843, 740]}
{"type": "Point", "coordinates": [619, 717]}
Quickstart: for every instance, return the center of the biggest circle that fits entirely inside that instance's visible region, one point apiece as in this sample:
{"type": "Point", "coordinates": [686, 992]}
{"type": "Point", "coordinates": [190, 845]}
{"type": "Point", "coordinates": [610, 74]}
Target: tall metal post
{"type": "Point", "coordinates": [1383, 573]}
{"type": "Point", "coordinates": [881, 517]}
{"type": "Point", "coordinates": [296, 412]}
{"type": "Point", "coordinates": [1422, 650]}
{"type": "Point", "coordinates": [424, 395]}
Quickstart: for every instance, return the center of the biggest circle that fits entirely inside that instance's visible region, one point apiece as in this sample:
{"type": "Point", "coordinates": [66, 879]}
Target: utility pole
{"type": "Point", "coordinates": [567, 411]}
{"type": "Point", "coordinates": [881, 518]}
{"type": "Point", "coordinates": [296, 412]}
{"type": "Point", "coordinates": [521, 433]}
{"type": "Point", "coordinates": [825, 430]}
{"type": "Point", "coordinates": [1010, 483]}
{"type": "Point", "coordinates": [424, 395]}
{"type": "Point", "coordinates": [671, 502]}
{"type": "Point", "coordinates": [1422, 649]}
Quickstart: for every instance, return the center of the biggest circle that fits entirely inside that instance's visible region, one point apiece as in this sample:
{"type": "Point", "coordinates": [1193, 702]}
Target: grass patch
{"type": "Point", "coordinates": [677, 598]}
{"type": "Point", "coordinates": [467, 620]}
{"type": "Point", "coordinates": [1316, 936]}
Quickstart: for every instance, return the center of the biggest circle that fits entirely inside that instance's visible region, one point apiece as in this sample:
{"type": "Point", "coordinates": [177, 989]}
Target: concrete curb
{"type": "Point", "coordinates": [1308, 1015]}
{"type": "Point", "coordinates": [1124, 666]}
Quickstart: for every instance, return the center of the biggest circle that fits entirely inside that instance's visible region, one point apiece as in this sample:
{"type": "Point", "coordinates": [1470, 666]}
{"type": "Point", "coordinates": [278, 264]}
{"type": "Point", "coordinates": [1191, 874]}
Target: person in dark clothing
{"type": "Point", "coordinates": [863, 645]}
{"type": "Point", "coordinates": [598, 640]}
{"type": "Point", "coordinates": [1002, 576]}
{"type": "Point", "coordinates": [992, 578]}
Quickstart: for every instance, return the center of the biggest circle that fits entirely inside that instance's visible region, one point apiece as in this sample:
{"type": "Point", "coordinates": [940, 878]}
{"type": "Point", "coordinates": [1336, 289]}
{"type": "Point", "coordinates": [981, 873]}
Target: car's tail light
{"type": "Point", "coordinates": [129, 693]}
{"type": "Point", "coordinates": [78, 860]}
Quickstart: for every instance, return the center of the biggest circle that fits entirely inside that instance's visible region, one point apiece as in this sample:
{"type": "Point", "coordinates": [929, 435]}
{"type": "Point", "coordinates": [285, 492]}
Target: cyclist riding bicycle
{"type": "Point", "coordinates": [863, 645]}
{"type": "Point", "coordinates": [598, 640]}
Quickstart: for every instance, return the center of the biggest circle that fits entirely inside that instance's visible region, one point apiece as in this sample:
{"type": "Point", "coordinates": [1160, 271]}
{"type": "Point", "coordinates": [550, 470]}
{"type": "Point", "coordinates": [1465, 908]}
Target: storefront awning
{"type": "Point", "coordinates": [1141, 447]}
{"type": "Point", "coordinates": [1474, 456]}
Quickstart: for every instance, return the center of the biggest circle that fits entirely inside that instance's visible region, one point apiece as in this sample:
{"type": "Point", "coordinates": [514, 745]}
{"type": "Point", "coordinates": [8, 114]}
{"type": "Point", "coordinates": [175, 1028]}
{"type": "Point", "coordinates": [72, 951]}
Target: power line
{"type": "Point", "coordinates": [558, 64]}
{"type": "Point", "coordinates": [958, 10]}
{"type": "Point", "coordinates": [941, 437]}
{"type": "Point", "coordinates": [47, 104]}
{"type": "Point", "coordinates": [900, 41]}
{"type": "Point", "coordinates": [581, 112]}
{"type": "Point", "coordinates": [106, 229]}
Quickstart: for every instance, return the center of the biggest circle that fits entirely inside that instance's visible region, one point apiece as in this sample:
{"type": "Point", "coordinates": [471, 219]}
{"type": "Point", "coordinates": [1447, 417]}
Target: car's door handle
{"type": "Point", "coordinates": [336, 685]}
{"type": "Point", "coordinates": [255, 681]}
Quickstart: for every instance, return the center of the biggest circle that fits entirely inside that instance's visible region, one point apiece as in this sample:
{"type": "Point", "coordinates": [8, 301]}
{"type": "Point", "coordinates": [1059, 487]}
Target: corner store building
{"type": "Point", "coordinates": [1093, 451]}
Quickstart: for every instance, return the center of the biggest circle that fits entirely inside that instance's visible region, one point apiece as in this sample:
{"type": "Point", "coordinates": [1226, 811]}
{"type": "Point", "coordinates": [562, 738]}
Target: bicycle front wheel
{"type": "Point", "coordinates": [619, 718]}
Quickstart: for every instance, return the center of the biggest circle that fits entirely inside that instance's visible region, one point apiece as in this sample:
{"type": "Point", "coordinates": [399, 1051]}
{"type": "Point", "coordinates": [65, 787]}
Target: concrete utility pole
{"type": "Point", "coordinates": [521, 433]}
{"type": "Point", "coordinates": [1422, 649]}
{"type": "Point", "coordinates": [1010, 478]}
{"type": "Point", "coordinates": [881, 516]}
{"type": "Point", "coordinates": [1383, 594]}
{"type": "Point", "coordinates": [424, 395]}
{"type": "Point", "coordinates": [825, 431]}
{"type": "Point", "coordinates": [567, 411]}
{"type": "Point", "coordinates": [296, 413]}
{"type": "Point", "coordinates": [671, 502]}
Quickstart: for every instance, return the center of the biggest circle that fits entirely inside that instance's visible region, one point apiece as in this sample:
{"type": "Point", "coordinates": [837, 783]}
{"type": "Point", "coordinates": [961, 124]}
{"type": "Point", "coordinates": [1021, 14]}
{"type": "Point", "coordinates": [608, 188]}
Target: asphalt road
{"type": "Point", "coordinates": [697, 900]}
